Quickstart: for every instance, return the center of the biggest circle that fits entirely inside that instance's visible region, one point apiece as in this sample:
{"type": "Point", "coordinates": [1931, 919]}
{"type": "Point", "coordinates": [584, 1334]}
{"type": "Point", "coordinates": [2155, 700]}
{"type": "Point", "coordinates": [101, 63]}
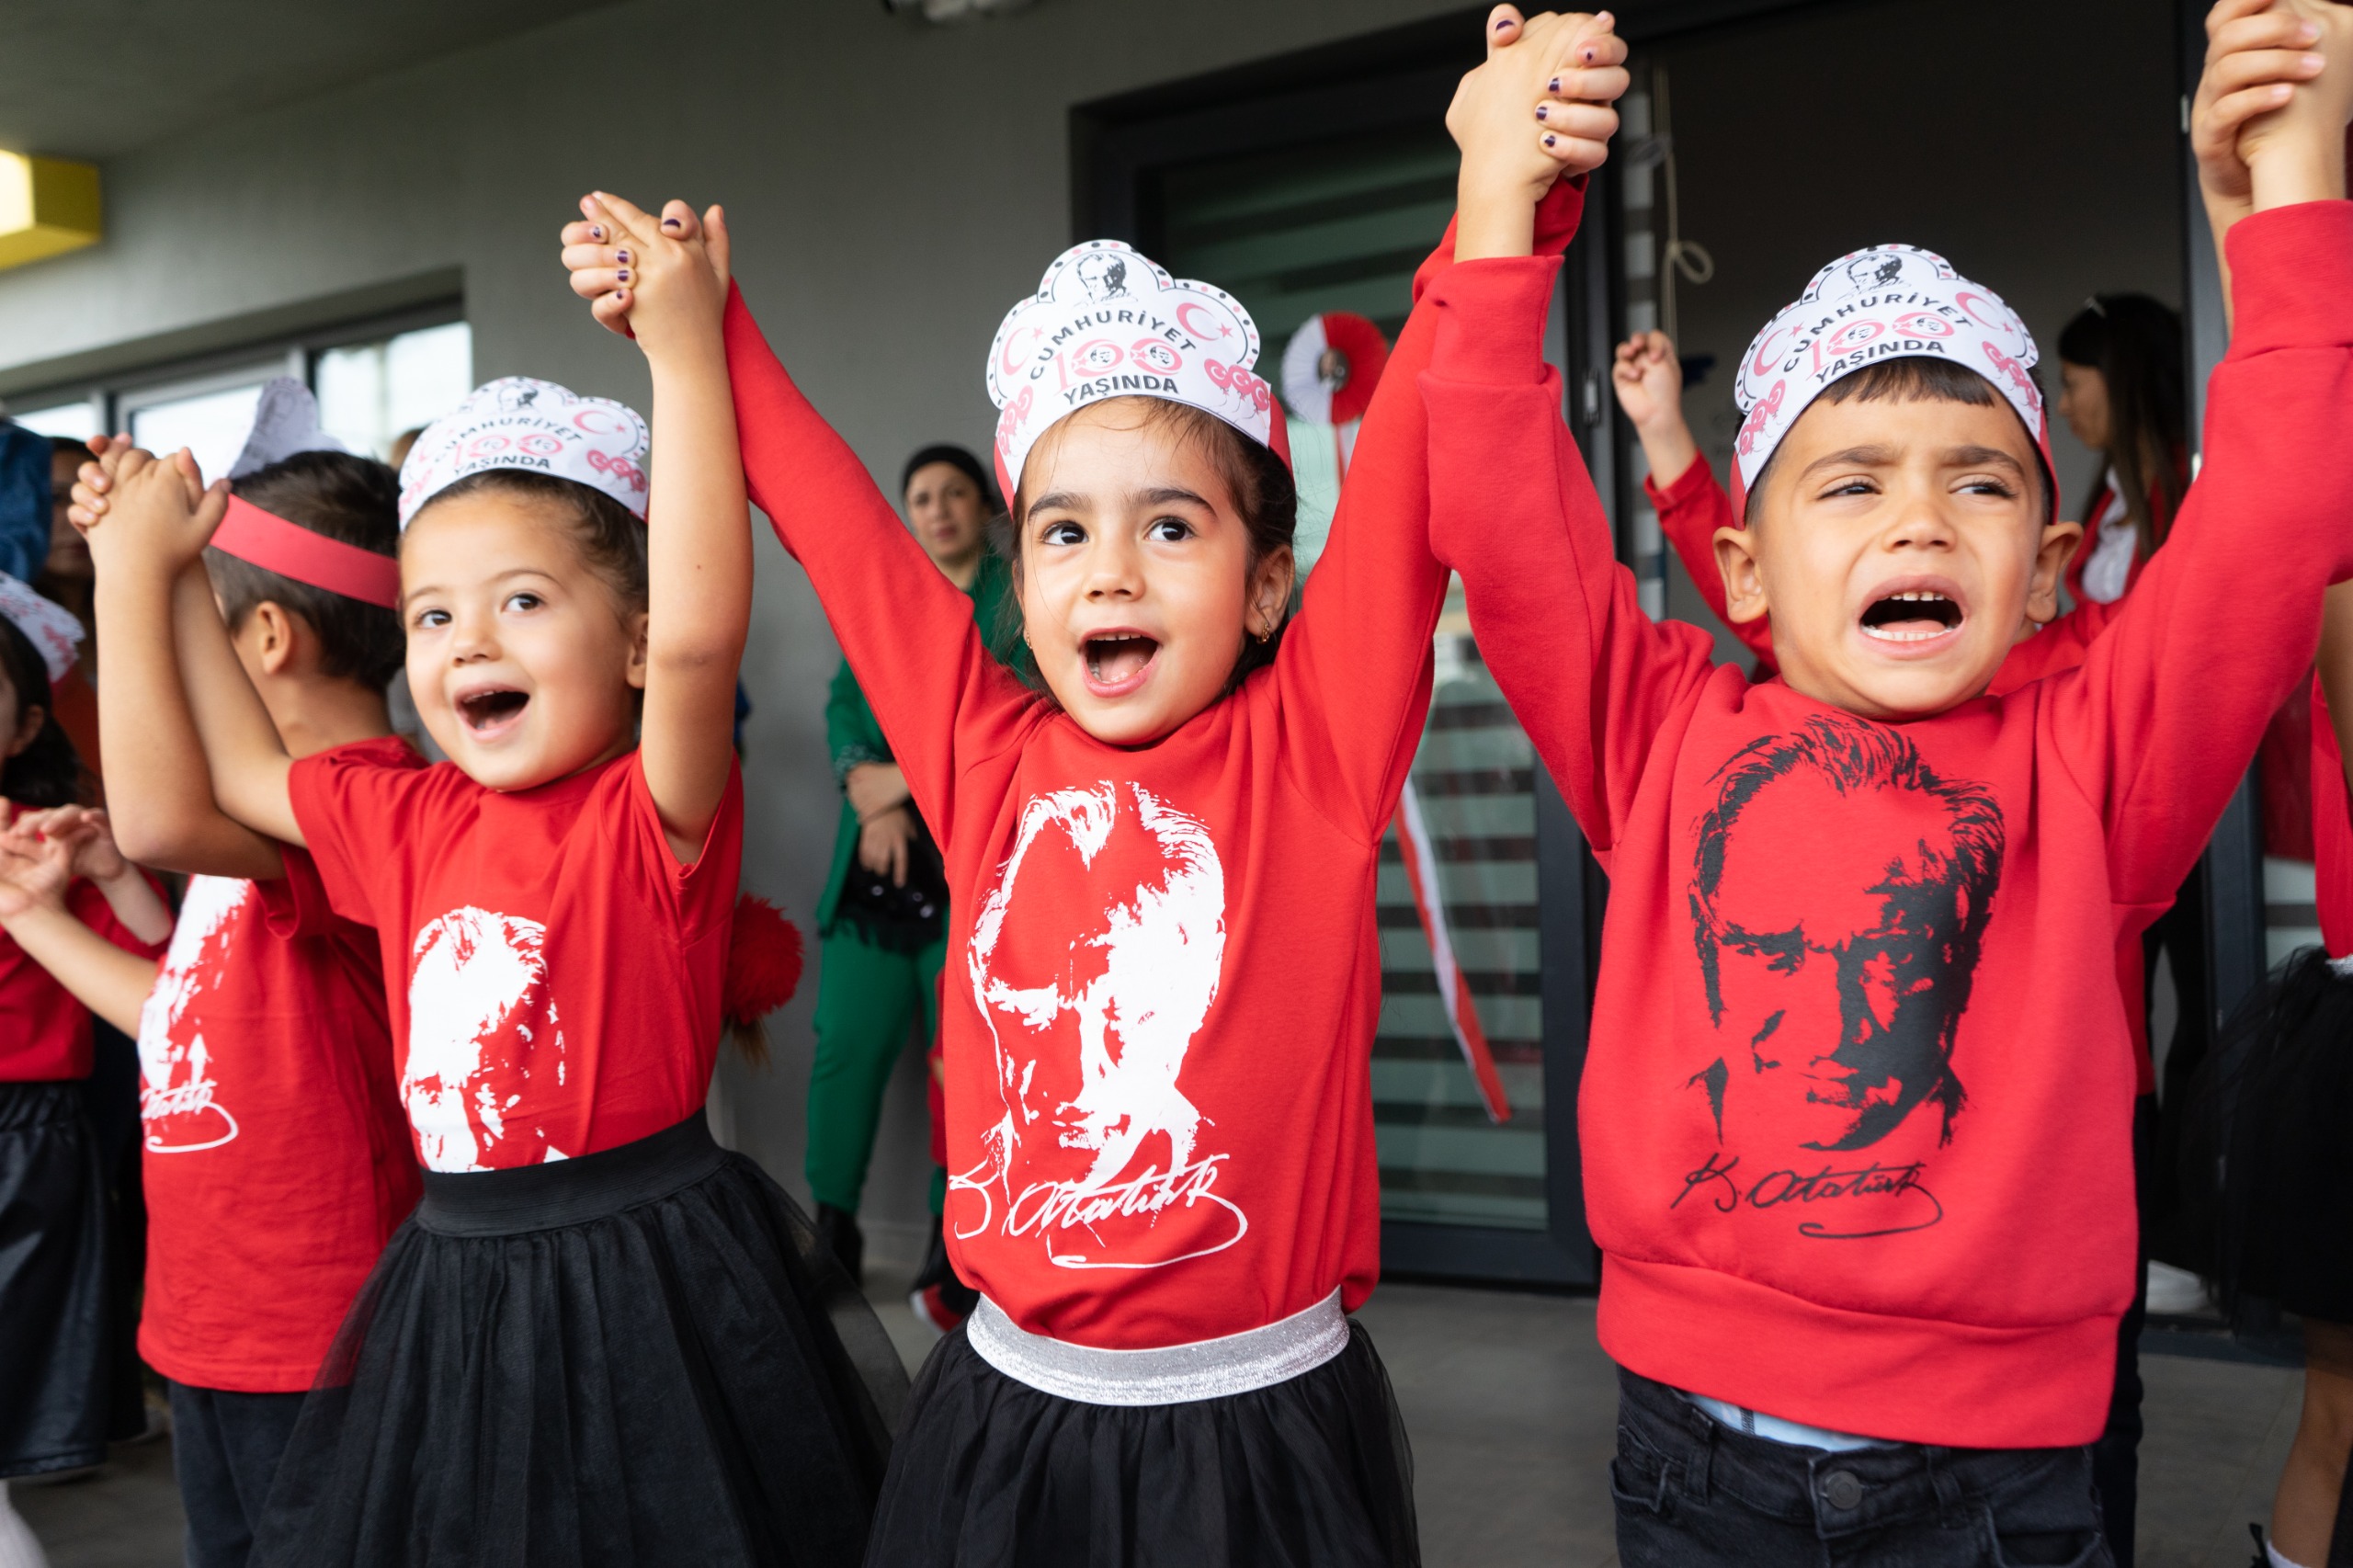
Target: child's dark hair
{"type": "Point", "coordinates": [1912, 377]}
{"type": "Point", "coordinates": [2134, 343]}
{"type": "Point", "coordinates": [610, 536]}
{"type": "Point", "coordinates": [352, 500]}
{"type": "Point", "coordinates": [1265, 496]}
{"type": "Point", "coordinates": [48, 772]}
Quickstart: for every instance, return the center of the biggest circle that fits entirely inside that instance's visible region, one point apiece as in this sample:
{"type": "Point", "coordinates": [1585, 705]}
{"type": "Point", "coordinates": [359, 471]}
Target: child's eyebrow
{"type": "Point", "coordinates": [1973, 456]}
{"type": "Point", "coordinates": [1165, 494]}
{"type": "Point", "coordinates": [1057, 501]}
{"type": "Point", "coordinates": [1858, 457]}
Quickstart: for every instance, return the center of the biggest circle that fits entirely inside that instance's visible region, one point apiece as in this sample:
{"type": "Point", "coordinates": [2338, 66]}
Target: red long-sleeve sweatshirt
{"type": "Point", "coordinates": [1164, 976]}
{"type": "Point", "coordinates": [1857, 1138]}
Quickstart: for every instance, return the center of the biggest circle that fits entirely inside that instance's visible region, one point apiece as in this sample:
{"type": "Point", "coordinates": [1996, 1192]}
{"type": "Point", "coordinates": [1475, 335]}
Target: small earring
{"type": "Point", "coordinates": [1266, 637]}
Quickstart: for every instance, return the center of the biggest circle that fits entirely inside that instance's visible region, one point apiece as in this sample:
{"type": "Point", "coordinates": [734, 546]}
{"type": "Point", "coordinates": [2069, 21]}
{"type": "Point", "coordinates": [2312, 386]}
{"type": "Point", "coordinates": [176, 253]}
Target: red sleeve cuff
{"type": "Point", "coordinates": [1689, 487]}
{"type": "Point", "coordinates": [2291, 278]}
{"type": "Point", "coordinates": [1491, 320]}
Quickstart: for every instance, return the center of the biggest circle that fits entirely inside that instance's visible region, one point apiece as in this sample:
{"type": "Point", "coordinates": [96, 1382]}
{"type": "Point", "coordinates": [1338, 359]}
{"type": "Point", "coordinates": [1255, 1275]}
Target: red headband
{"type": "Point", "coordinates": [272, 543]}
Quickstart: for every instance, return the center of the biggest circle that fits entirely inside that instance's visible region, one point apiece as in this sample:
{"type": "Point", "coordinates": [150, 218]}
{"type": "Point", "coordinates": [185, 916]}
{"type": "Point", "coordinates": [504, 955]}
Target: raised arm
{"type": "Point", "coordinates": [147, 542]}
{"type": "Point", "coordinates": [163, 806]}
{"type": "Point", "coordinates": [2173, 701]}
{"type": "Point", "coordinates": [1355, 663]}
{"type": "Point", "coordinates": [698, 537]}
{"type": "Point", "coordinates": [905, 629]}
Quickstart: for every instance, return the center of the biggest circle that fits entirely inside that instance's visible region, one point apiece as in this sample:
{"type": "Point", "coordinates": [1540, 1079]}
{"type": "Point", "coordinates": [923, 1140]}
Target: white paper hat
{"type": "Point", "coordinates": [286, 421]}
{"type": "Point", "coordinates": [1884, 302]}
{"type": "Point", "coordinates": [517, 422]}
{"type": "Point", "coordinates": [49, 628]}
{"type": "Point", "coordinates": [1109, 322]}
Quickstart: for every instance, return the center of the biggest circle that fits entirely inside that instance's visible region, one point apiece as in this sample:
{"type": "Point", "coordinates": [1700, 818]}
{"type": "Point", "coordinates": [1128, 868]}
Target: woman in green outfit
{"type": "Point", "coordinates": [882, 924]}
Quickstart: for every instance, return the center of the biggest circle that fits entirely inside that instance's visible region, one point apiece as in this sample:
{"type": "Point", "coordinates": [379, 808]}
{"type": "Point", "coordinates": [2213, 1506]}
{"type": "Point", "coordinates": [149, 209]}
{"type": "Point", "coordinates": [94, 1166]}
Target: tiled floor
{"type": "Point", "coordinates": [1512, 1409]}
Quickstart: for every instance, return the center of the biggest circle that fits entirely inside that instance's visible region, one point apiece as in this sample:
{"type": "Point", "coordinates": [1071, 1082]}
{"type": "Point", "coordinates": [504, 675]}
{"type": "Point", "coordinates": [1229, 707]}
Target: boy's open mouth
{"type": "Point", "coordinates": [487, 712]}
{"type": "Point", "coordinates": [1911, 616]}
{"type": "Point", "coordinates": [1116, 661]}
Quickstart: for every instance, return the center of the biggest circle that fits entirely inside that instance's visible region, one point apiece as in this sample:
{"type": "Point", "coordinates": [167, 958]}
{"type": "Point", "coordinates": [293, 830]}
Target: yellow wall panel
{"type": "Point", "coordinates": [47, 207]}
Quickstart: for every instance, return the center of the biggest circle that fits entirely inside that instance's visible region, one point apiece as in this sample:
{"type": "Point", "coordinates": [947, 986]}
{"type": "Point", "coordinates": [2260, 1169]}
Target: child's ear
{"type": "Point", "coordinates": [2051, 558]}
{"type": "Point", "coordinates": [1270, 592]}
{"type": "Point", "coordinates": [272, 628]}
{"type": "Point", "coordinates": [638, 623]}
{"type": "Point", "coordinates": [1743, 585]}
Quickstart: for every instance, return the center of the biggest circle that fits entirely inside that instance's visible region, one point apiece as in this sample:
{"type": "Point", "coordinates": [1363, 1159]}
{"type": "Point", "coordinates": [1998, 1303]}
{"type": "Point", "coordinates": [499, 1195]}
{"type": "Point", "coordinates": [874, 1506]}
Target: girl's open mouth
{"type": "Point", "coordinates": [1918, 615]}
{"type": "Point", "coordinates": [1117, 662]}
{"type": "Point", "coordinates": [489, 713]}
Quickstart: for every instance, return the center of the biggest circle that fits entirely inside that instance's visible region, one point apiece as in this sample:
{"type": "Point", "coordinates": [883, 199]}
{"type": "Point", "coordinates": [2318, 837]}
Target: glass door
{"type": "Point", "coordinates": [1322, 238]}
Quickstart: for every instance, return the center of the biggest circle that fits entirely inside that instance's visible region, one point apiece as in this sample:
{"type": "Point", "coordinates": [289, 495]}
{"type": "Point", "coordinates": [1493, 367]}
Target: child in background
{"type": "Point", "coordinates": [58, 1406]}
{"type": "Point", "coordinates": [2281, 1090]}
{"type": "Point", "coordinates": [595, 1340]}
{"type": "Point", "coordinates": [1164, 967]}
{"type": "Point", "coordinates": [266, 1050]}
{"type": "Point", "coordinates": [1856, 1136]}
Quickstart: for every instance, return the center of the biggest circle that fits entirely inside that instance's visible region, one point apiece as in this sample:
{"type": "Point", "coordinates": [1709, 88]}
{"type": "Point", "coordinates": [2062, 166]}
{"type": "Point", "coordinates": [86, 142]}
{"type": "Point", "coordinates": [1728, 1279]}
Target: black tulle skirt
{"type": "Point", "coordinates": [58, 1398]}
{"type": "Point", "coordinates": [989, 1472]}
{"type": "Point", "coordinates": [628, 1358]}
{"type": "Point", "coordinates": [2269, 1144]}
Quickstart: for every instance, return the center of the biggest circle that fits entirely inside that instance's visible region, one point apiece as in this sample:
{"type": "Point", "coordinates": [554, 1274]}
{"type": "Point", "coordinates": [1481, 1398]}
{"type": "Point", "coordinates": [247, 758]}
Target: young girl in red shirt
{"type": "Point", "coordinates": [598, 1340]}
{"type": "Point", "coordinates": [1163, 970]}
{"type": "Point", "coordinates": [55, 1263]}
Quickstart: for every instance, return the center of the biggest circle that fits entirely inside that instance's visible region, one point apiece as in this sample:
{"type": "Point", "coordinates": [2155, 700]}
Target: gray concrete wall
{"type": "Point", "coordinates": [891, 187]}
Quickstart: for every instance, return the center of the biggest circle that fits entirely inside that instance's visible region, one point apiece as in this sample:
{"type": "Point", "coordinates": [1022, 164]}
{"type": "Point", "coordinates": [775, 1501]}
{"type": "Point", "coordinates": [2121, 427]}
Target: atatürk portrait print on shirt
{"type": "Point", "coordinates": [1837, 978]}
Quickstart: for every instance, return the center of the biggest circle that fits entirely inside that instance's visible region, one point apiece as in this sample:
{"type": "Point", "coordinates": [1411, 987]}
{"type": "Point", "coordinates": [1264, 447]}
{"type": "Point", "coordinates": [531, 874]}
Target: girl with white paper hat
{"type": "Point", "coordinates": [1165, 970]}
{"type": "Point", "coordinates": [601, 1337]}
{"type": "Point", "coordinates": [54, 1277]}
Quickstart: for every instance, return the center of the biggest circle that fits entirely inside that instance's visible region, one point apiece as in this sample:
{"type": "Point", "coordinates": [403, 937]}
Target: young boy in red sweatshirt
{"type": "Point", "coordinates": [1857, 1137]}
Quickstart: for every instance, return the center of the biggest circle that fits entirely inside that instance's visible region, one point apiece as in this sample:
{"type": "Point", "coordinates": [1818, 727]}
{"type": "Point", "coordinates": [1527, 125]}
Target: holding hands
{"type": "Point", "coordinates": [1539, 108]}
{"type": "Point", "coordinates": [156, 510]}
{"type": "Point", "coordinates": [2268, 125]}
{"type": "Point", "coordinates": [659, 281]}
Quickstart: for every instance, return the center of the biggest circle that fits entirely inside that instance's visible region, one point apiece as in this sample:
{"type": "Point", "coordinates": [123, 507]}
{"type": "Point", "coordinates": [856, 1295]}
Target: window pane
{"type": "Point", "coordinates": [1341, 227]}
{"type": "Point", "coordinates": [212, 426]}
{"type": "Point", "coordinates": [371, 393]}
{"type": "Point", "coordinates": [76, 419]}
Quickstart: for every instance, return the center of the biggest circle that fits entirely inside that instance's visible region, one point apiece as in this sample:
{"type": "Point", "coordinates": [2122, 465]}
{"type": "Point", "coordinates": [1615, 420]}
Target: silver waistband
{"type": "Point", "coordinates": [1170, 1374]}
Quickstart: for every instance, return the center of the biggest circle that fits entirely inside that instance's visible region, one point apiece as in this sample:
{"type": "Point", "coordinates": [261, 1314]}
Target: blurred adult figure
{"type": "Point", "coordinates": [882, 924]}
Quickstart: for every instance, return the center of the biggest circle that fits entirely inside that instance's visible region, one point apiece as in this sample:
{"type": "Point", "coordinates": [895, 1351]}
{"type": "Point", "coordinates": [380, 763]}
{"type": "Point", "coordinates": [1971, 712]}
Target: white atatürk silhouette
{"type": "Point", "coordinates": [482, 1033]}
{"type": "Point", "coordinates": [176, 1104]}
{"type": "Point", "coordinates": [1137, 981]}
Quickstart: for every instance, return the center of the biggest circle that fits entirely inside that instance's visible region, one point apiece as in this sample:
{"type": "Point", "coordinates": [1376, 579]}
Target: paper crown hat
{"type": "Point", "coordinates": [538, 426]}
{"type": "Point", "coordinates": [49, 628]}
{"type": "Point", "coordinates": [285, 421]}
{"type": "Point", "coordinates": [1884, 302]}
{"type": "Point", "coordinates": [1109, 322]}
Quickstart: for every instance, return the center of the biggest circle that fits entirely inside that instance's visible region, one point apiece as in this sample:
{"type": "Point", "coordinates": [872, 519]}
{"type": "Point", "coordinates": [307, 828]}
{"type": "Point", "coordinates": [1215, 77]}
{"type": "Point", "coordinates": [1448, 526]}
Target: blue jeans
{"type": "Point", "coordinates": [1691, 1491]}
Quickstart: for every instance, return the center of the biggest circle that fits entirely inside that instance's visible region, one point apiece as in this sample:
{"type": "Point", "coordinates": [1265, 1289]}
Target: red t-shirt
{"type": "Point", "coordinates": [1856, 1136]}
{"type": "Point", "coordinates": [274, 1160]}
{"type": "Point", "coordinates": [1163, 973]}
{"type": "Point", "coordinates": [2332, 831]}
{"type": "Point", "coordinates": [45, 1032]}
{"type": "Point", "coordinates": [559, 969]}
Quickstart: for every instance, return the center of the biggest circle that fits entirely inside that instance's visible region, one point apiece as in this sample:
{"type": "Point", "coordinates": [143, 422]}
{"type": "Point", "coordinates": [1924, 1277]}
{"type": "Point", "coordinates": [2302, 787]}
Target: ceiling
{"type": "Point", "coordinates": [90, 79]}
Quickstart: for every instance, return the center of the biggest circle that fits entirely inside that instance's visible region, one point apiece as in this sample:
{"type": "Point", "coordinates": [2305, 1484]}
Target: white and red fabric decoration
{"type": "Point", "coordinates": [1884, 302]}
{"type": "Point", "coordinates": [1109, 322]}
{"type": "Point", "coordinates": [49, 628]}
{"type": "Point", "coordinates": [1453, 987]}
{"type": "Point", "coordinates": [1330, 367]}
{"type": "Point", "coordinates": [538, 426]}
